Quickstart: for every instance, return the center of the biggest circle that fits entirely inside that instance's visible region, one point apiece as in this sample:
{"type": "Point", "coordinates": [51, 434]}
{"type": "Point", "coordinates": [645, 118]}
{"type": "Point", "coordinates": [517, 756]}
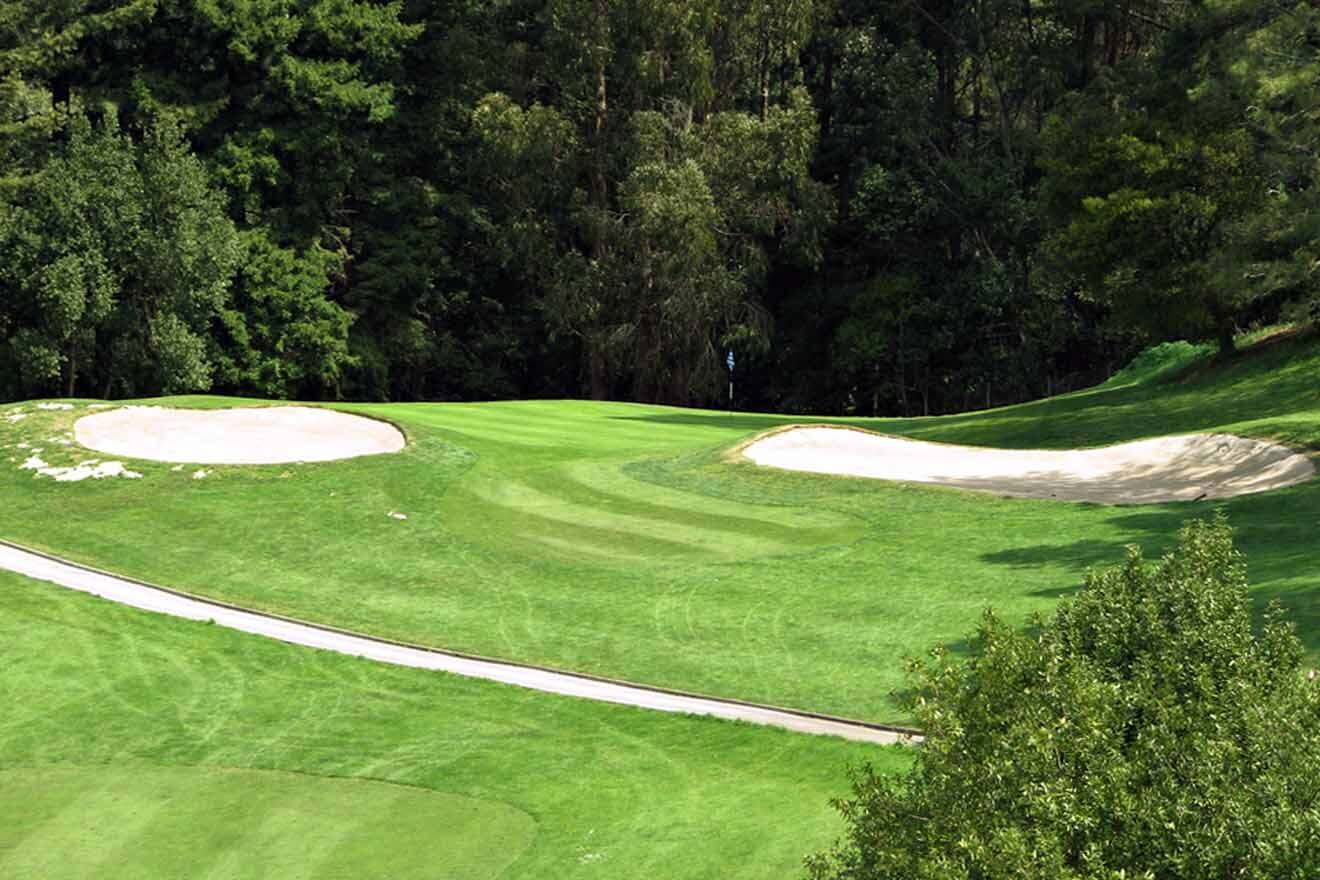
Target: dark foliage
{"type": "Point", "coordinates": [893, 207]}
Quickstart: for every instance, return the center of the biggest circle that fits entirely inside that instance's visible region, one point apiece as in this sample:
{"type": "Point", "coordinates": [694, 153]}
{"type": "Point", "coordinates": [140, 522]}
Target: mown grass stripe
{"type": "Point", "coordinates": [205, 822]}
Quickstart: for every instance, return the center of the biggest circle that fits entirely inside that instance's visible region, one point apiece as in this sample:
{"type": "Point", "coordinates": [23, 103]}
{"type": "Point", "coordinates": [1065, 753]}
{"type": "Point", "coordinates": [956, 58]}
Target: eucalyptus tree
{"type": "Point", "coordinates": [930, 113]}
{"type": "Point", "coordinates": [1272, 55]}
{"type": "Point", "coordinates": [475, 198]}
{"type": "Point", "coordinates": [285, 101]}
{"type": "Point", "coordinates": [114, 260]}
{"type": "Point", "coordinates": [29, 121]}
{"type": "Point", "coordinates": [663, 199]}
{"type": "Point", "coordinates": [757, 47]}
{"type": "Point", "coordinates": [932, 117]}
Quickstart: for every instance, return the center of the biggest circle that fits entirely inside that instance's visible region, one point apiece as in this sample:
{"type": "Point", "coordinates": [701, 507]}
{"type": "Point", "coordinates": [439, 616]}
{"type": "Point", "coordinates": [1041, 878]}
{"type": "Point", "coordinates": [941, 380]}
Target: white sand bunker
{"type": "Point", "coordinates": [251, 435]}
{"type": "Point", "coordinates": [1182, 468]}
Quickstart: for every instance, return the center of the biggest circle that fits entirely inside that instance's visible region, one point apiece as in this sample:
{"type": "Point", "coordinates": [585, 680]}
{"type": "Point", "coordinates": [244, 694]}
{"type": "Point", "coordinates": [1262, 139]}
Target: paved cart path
{"type": "Point", "coordinates": [161, 600]}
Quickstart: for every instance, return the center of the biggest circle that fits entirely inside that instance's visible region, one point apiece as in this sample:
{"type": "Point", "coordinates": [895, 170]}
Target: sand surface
{"type": "Point", "coordinates": [1181, 468]}
{"type": "Point", "coordinates": [249, 435]}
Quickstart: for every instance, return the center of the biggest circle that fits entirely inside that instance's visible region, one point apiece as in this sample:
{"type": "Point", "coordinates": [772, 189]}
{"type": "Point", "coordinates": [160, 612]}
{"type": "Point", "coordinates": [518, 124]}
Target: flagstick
{"type": "Point", "coordinates": [729, 362]}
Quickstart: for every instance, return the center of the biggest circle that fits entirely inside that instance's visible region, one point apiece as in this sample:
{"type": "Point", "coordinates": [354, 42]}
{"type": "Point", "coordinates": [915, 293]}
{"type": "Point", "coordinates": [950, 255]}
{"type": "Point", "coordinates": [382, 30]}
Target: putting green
{"type": "Point", "coordinates": [200, 822]}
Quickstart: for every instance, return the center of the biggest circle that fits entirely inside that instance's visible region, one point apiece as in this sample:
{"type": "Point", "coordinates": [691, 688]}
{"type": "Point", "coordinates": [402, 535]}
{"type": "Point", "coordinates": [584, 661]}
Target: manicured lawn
{"type": "Point", "coordinates": [139, 820]}
{"type": "Point", "coordinates": [138, 746]}
{"type": "Point", "coordinates": [608, 538]}
{"type": "Point", "coordinates": [616, 539]}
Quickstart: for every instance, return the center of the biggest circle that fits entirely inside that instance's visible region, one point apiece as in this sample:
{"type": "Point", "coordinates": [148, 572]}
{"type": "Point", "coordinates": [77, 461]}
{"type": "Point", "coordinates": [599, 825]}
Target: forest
{"type": "Point", "coordinates": [892, 207]}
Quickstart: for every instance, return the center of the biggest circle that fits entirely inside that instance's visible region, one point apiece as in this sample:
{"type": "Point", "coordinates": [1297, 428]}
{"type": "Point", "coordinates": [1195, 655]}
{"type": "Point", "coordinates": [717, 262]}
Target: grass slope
{"type": "Point", "coordinates": [616, 539]}
{"type": "Point", "coordinates": [138, 746]}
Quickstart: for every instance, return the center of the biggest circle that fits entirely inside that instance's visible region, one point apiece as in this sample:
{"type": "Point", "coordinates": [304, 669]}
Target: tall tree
{"type": "Point", "coordinates": [1271, 52]}
{"type": "Point", "coordinates": [115, 259]}
{"type": "Point", "coordinates": [1151, 171]}
{"type": "Point", "coordinates": [285, 99]}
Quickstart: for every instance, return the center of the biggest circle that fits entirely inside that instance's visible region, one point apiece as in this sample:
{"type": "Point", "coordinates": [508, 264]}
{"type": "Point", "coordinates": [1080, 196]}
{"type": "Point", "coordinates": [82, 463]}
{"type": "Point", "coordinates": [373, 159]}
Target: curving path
{"type": "Point", "coordinates": [138, 594]}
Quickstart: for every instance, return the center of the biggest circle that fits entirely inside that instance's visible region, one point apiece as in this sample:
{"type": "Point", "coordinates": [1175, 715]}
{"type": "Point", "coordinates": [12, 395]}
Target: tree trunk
{"type": "Point", "coordinates": [901, 364]}
{"type": "Point", "coordinates": [599, 186]}
{"type": "Point", "coordinates": [1227, 333]}
{"type": "Point", "coordinates": [827, 106]}
{"type": "Point", "coordinates": [71, 371]}
{"type": "Point", "coordinates": [763, 74]}
{"type": "Point", "coordinates": [596, 367]}
{"type": "Point", "coordinates": [1088, 50]}
{"type": "Point", "coordinates": [600, 387]}
{"type": "Point", "coordinates": [600, 155]}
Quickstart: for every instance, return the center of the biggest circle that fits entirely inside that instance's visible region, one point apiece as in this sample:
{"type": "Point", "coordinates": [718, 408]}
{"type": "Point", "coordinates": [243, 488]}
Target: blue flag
{"type": "Point", "coordinates": [729, 360]}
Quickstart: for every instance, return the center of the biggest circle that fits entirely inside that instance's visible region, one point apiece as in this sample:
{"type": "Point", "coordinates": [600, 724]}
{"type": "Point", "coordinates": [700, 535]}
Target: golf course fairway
{"type": "Point", "coordinates": [137, 745]}
{"type": "Point", "coordinates": [612, 539]}
{"type": "Point", "coordinates": [621, 540]}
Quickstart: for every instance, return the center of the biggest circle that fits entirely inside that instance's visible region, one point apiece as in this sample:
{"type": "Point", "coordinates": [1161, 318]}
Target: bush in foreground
{"type": "Point", "coordinates": [1147, 730]}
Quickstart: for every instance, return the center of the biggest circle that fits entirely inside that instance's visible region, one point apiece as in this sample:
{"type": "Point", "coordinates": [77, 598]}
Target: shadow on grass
{"type": "Point", "coordinates": [1153, 532]}
{"type": "Point", "coordinates": [1058, 592]}
{"type": "Point", "coordinates": [1276, 533]}
{"type": "Point", "coordinates": [959, 650]}
{"type": "Point", "coordinates": [1302, 604]}
{"type": "Point", "coordinates": [1076, 556]}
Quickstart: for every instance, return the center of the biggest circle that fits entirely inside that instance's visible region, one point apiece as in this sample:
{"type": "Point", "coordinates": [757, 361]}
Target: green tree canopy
{"type": "Point", "coordinates": [1147, 730]}
{"type": "Point", "coordinates": [1167, 178]}
{"type": "Point", "coordinates": [115, 258]}
{"type": "Point", "coordinates": [890, 206]}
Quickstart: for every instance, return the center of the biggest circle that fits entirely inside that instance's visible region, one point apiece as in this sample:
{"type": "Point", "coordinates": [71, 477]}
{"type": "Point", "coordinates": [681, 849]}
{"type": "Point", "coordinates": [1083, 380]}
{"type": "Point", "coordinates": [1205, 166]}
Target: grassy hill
{"type": "Point", "coordinates": [617, 539]}
{"type": "Point", "coordinates": [603, 537]}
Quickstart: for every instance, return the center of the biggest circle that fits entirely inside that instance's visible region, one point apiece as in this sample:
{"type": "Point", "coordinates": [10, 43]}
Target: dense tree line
{"type": "Point", "coordinates": [898, 206]}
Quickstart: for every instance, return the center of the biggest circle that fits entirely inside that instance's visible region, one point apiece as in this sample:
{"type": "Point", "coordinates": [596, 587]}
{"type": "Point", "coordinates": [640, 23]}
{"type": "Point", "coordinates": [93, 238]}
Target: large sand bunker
{"type": "Point", "coordinates": [251, 435]}
{"type": "Point", "coordinates": [1182, 468]}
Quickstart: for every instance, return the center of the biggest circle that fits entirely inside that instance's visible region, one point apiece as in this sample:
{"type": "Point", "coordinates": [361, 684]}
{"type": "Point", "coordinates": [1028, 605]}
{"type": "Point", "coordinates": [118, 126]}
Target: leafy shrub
{"type": "Point", "coordinates": [1147, 730]}
{"type": "Point", "coordinates": [1159, 361]}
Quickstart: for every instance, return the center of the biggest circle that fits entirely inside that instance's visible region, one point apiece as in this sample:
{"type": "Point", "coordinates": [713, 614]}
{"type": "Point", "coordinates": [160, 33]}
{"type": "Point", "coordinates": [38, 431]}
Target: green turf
{"type": "Point", "coordinates": [134, 745]}
{"type": "Point", "coordinates": [133, 821]}
{"type": "Point", "coordinates": [616, 539]}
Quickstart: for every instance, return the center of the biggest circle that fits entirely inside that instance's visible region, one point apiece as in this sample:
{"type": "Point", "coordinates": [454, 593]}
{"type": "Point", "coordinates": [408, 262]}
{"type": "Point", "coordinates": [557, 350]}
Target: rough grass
{"type": "Point", "coordinates": [138, 746]}
{"type": "Point", "coordinates": [616, 539]}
